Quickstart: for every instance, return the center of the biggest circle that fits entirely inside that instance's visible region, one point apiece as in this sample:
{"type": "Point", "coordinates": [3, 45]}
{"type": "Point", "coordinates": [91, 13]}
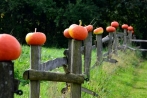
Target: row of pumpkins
{"type": "Point", "coordinates": [79, 32]}
{"type": "Point", "coordinates": [10, 48]}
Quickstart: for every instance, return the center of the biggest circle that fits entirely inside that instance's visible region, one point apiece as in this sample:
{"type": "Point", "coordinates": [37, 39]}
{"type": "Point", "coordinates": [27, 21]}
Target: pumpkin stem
{"type": "Point", "coordinates": [35, 30]}
{"type": "Point", "coordinates": [80, 22]}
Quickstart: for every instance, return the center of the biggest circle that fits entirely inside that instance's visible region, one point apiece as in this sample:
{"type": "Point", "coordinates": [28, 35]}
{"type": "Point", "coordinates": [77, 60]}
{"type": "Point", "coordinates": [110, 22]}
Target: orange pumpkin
{"type": "Point", "coordinates": [78, 32]}
{"type": "Point", "coordinates": [89, 28]}
{"type": "Point", "coordinates": [98, 30]}
{"type": "Point", "coordinates": [130, 28]}
{"type": "Point", "coordinates": [114, 24]}
{"type": "Point", "coordinates": [110, 29]}
{"type": "Point", "coordinates": [36, 38]}
{"type": "Point", "coordinates": [66, 33]}
{"type": "Point", "coordinates": [10, 48]}
{"type": "Point", "coordinates": [124, 26]}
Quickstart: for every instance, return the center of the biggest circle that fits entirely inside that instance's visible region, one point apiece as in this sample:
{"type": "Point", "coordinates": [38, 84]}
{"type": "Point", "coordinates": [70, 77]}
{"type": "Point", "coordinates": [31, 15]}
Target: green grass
{"type": "Point", "coordinates": [125, 79]}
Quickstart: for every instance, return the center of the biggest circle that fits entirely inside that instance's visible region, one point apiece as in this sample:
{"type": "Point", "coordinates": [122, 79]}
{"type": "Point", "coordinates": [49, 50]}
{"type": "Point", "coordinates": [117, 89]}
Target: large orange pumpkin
{"type": "Point", "coordinates": [35, 38]}
{"type": "Point", "coordinates": [78, 32]}
{"type": "Point", "coordinates": [110, 29]}
{"type": "Point", "coordinates": [10, 48]}
{"type": "Point", "coordinates": [114, 24]}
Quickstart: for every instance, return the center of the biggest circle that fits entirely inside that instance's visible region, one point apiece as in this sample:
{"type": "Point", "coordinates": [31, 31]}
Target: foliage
{"type": "Point", "coordinates": [18, 17]}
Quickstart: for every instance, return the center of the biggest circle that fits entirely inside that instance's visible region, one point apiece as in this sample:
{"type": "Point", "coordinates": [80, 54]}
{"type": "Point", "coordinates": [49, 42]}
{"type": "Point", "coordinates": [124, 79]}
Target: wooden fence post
{"type": "Point", "coordinates": [125, 37]}
{"type": "Point", "coordinates": [35, 62]}
{"type": "Point", "coordinates": [110, 46]}
{"type": "Point", "coordinates": [6, 80]}
{"type": "Point", "coordinates": [87, 54]}
{"type": "Point", "coordinates": [99, 48]}
{"type": "Point", "coordinates": [115, 43]}
{"type": "Point", "coordinates": [130, 37]}
{"type": "Point", "coordinates": [76, 67]}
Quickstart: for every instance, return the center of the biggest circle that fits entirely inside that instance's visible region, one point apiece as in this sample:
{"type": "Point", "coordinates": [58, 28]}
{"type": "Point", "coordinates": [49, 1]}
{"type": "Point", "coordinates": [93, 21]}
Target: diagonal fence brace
{"type": "Point", "coordinates": [89, 91]}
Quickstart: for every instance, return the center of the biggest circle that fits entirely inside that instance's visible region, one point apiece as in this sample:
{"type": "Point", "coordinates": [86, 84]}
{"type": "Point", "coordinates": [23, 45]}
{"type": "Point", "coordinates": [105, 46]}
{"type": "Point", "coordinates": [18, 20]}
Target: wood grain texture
{"type": "Point", "coordinates": [87, 54]}
{"type": "Point", "coordinates": [115, 43]}
{"type": "Point", "coordinates": [125, 37]}
{"type": "Point", "coordinates": [52, 64]}
{"type": "Point", "coordinates": [130, 38]}
{"type": "Point", "coordinates": [138, 40]}
{"type": "Point", "coordinates": [35, 57]}
{"type": "Point", "coordinates": [6, 80]}
{"type": "Point", "coordinates": [136, 49]}
{"type": "Point", "coordinates": [110, 46]}
{"type": "Point", "coordinates": [99, 48]}
{"type": "Point", "coordinates": [76, 67]}
{"type": "Point", "coordinates": [105, 39]}
{"type": "Point", "coordinates": [53, 76]}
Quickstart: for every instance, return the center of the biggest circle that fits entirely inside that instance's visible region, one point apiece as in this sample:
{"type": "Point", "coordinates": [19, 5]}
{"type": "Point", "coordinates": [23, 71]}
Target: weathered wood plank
{"type": "Point", "coordinates": [110, 46]}
{"type": "Point", "coordinates": [6, 80]}
{"type": "Point", "coordinates": [125, 37]}
{"type": "Point", "coordinates": [115, 43]}
{"type": "Point", "coordinates": [52, 64]}
{"type": "Point", "coordinates": [53, 76]}
{"type": "Point", "coordinates": [120, 34]}
{"type": "Point", "coordinates": [105, 39]}
{"type": "Point", "coordinates": [136, 49]}
{"type": "Point", "coordinates": [99, 48]}
{"type": "Point", "coordinates": [35, 57]}
{"type": "Point", "coordinates": [130, 38]}
{"type": "Point", "coordinates": [87, 54]}
{"type": "Point", "coordinates": [89, 91]}
{"type": "Point", "coordinates": [138, 40]}
{"type": "Point", "coordinates": [76, 67]}
{"type": "Point", "coordinates": [142, 49]}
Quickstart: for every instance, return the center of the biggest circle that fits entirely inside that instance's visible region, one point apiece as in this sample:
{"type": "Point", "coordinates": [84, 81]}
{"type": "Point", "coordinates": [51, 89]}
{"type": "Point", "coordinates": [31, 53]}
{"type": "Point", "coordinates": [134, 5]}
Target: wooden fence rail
{"type": "Point", "coordinates": [138, 40]}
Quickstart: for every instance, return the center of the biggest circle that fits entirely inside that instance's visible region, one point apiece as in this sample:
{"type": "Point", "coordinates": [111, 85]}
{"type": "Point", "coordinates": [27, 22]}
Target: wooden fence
{"type": "Point", "coordinates": [71, 63]}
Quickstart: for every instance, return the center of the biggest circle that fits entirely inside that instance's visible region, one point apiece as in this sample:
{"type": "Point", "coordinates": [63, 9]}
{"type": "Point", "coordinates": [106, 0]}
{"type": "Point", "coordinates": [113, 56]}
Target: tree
{"type": "Point", "coordinates": [18, 17]}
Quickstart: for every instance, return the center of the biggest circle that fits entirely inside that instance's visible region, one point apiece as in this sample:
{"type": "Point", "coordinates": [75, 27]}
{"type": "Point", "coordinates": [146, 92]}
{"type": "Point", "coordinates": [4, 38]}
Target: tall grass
{"type": "Point", "coordinates": [108, 80]}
